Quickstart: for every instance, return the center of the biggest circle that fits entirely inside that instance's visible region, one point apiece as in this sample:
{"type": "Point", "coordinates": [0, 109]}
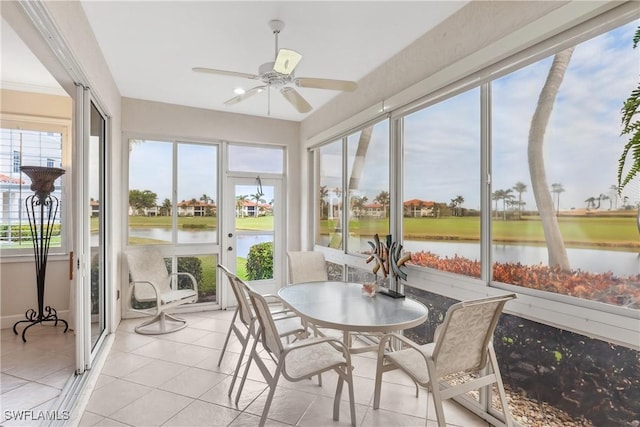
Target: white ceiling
{"type": "Point", "coordinates": [152, 46]}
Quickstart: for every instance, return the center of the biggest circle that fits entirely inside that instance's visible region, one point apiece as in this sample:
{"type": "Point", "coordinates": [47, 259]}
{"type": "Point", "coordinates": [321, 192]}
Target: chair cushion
{"type": "Point", "coordinates": [307, 361]}
{"type": "Point", "coordinates": [412, 362]}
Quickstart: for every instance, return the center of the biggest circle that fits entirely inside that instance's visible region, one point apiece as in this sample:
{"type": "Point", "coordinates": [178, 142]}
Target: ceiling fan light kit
{"type": "Point", "coordinates": [279, 74]}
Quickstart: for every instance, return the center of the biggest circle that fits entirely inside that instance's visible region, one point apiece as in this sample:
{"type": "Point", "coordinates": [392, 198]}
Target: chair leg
{"type": "Point", "coordinates": [246, 369]}
{"type": "Point", "coordinates": [245, 343]}
{"type": "Point", "coordinates": [378, 383]}
{"type": "Point", "coordinates": [338, 395]}
{"type": "Point", "coordinates": [501, 393]}
{"type": "Point", "coordinates": [226, 340]}
{"type": "Point", "coordinates": [344, 376]}
{"type": "Point", "coordinates": [435, 393]}
{"type": "Point", "coordinates": [272, 391]}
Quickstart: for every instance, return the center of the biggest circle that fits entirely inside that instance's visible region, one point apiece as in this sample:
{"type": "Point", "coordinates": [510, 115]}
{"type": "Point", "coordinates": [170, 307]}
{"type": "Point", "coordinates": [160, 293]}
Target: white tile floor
{"type": "Point", "coordinates": [34, 373]}
{"type": "Point", "coordinates": [174, 380]}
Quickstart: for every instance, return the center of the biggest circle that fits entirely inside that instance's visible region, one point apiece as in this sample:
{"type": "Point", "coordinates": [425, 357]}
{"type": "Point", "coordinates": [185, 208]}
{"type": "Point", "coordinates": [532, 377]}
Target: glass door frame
{"type": "Point", "coordinates": [86, 350]}
{"type": "Point", "coordinates": [228, 255]}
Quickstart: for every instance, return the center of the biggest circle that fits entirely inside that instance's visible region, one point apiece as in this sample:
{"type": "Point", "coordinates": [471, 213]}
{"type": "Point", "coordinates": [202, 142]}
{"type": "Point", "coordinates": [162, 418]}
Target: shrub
{"type": "Point", "coordinates": [602, 287]}
{"type": "Point", "coordinates": [260, 261]}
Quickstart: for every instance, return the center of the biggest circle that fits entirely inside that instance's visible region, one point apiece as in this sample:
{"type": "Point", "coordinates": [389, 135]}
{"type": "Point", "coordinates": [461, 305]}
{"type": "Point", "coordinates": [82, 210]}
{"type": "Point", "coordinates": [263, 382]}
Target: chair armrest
{"type": "Point", "coordinates": [153, 286]}
{"type": "Point", "coordinates": [194, 284]}
{"type": "Point", "coordinates": [411, 344]}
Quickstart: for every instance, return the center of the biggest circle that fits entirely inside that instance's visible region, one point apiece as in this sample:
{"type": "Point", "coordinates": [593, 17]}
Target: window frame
{"type": "Point", "coordinates": [569, 25]}
{"type": "Point", "coordinates": [46, 124]}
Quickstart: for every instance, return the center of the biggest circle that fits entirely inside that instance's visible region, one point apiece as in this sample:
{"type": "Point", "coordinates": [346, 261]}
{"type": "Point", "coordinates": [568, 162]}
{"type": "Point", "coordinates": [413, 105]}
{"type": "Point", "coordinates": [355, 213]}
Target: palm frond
{"type": "Point", "coordinates": [630, 126]}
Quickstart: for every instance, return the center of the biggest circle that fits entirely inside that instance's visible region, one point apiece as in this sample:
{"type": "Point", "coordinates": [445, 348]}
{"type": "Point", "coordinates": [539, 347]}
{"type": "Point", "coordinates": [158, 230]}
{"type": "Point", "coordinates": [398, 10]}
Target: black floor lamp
{"type": "Point", "coordinates": [42, 209]}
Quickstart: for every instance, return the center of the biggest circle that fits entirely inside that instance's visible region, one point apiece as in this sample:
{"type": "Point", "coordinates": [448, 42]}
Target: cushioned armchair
{"type": "Point", "coordinates": [151, 283]}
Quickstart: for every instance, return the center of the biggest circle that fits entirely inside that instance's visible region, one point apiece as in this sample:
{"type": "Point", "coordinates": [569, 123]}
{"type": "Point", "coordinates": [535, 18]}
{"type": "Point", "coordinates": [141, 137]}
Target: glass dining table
{"type": "Point", "coordinates": [345, 307]}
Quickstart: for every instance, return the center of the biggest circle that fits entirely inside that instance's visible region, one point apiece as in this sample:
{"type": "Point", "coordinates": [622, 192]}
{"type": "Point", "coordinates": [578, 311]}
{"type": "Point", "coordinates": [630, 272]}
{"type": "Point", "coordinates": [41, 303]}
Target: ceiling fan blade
{"type": "Point", "coordinates": [344, 85]}
{"type": "Point", "coordinates": [224, 73]}
{"type": "Point", "coordinates": [296, 99]}
{"type": "Point", "coordinates": [245, 95]}
{"type": "Point", "coordinates": [286, 61]}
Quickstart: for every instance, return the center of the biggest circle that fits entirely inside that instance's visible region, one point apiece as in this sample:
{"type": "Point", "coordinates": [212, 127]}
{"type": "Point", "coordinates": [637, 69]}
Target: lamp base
{"type": "Point", "coordinates": [33, 318]}
{"type": "Point", "coordinates": [390, 293]}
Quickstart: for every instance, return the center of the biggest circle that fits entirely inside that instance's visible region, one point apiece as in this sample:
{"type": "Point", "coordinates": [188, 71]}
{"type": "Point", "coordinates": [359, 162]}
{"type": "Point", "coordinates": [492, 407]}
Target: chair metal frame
{"type": "Point", "coordinates": [307, 363]}
{"type": "Point", "coordinates": [462, 345]}
{"type": "Point", "coordinates": [158, 290]}
{"type": "Point", "coordinates": [286, 323]}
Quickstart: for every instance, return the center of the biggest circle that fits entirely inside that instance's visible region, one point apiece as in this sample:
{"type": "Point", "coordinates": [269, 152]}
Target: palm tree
{"type": "Point", "coordinates": [384, 199]}
{"type": "Point", "coordinates": [503, 195]}
{"type": "Point", "coordinates": [507, 197]}
{"type": "Point", "coordinates": [591, 202]}
{"type": "Point", "coordinates": [556, 189]}
{"type": "Point", "coordinates": [555, 244]}
{"type": "Point", "coordinates": [520, 187]}
{"type": "Point", "coordinates": [204, 198]}
{"type": "Point", "coordinates": [166, 207]}
{"type": "Point", "coordinates": [631, 127]}
{"type": "Point", "coordinates": [258, 198]}
{"type": "Point", "coordinates": [324, 193]}
{"type": "Point", "coordinates": [496, 196]}
{"type": "Point", "coordinates": [459, 201]}
{"type": "Point", "coordinates": [240, 204]}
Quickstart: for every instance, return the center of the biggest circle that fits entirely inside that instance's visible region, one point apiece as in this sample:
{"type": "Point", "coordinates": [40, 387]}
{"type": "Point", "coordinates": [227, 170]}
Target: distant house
{"type": "Point", "coordinates": [95, 208]}
{"type": "Point", "coordinates": [250, 208]}
{"type": "Point", "coordinates": [416, 208]}
{"type": "Point", "coordinates": [195, 208]}
{"type": "Point", "coordinates": [373, 210]}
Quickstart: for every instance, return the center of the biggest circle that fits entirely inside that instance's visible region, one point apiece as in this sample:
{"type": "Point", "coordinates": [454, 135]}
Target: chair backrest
{"type": "Point", "coordinates": [465, 334]}
{"type": "Point", "coordinates": [306, 266]}
{"type": "Point", "coordinates": [269, 333]}
{"type": "Point", "coordinates": [147, 264]}
{"type": "Point", "coordinates": [244, 310]}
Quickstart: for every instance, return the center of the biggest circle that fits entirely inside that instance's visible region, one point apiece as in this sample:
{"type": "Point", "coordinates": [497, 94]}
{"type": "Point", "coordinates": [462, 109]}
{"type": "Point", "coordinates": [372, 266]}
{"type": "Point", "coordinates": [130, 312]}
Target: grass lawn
{"type": "Point", "coordinates": [578, 231]}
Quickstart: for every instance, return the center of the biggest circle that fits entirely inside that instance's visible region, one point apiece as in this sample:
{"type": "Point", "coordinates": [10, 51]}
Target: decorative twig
{"type": "Point", "coordinates": [389, 257]}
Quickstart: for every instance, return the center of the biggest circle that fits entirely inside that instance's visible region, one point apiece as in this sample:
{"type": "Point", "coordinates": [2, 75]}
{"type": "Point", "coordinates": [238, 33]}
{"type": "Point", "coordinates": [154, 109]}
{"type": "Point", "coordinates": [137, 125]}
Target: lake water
{"type": "Point", "coordinates": [590, 260]}
{"type": "Point", "coordinates": [243, 243]}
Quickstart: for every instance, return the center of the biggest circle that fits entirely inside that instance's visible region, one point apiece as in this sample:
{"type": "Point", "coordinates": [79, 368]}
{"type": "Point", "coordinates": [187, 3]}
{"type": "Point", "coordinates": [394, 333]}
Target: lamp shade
{"type": "Point", "coordinates": [42, 178]}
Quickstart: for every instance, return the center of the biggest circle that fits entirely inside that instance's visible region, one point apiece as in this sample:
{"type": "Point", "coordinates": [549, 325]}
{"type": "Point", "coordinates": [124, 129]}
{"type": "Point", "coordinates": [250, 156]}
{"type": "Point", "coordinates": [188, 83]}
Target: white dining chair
{"type": "Point", "coordinates": [299, 360]}
{"type": "Point", "coordinates": [286, 323]}
{"type": "Point", "coordinates": [462, 346]}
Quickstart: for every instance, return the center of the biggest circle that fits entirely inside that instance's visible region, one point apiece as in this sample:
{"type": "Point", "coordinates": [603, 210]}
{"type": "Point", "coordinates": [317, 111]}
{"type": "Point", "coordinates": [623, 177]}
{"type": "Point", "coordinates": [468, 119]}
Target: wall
{"type": "Point", "coordinates": [90, 69]}
{"type": "Point", "coordinates": [17, 274]}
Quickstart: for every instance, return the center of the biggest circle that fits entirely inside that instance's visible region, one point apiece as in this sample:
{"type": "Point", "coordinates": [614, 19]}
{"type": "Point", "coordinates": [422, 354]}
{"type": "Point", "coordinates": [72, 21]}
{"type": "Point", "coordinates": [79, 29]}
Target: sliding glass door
{"type": "Point", "coordinates": [90, 264]}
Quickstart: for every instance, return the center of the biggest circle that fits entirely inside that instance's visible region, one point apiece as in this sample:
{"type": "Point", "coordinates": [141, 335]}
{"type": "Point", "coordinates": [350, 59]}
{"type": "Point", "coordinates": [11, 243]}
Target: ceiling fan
{"type": "Point", "coordinates": [279, 74]}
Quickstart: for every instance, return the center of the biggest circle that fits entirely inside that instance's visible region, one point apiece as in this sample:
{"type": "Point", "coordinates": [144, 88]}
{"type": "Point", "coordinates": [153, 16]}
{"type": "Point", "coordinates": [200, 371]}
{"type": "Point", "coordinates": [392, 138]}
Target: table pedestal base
{"type": "Point", "coordinates": [33, 318]}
